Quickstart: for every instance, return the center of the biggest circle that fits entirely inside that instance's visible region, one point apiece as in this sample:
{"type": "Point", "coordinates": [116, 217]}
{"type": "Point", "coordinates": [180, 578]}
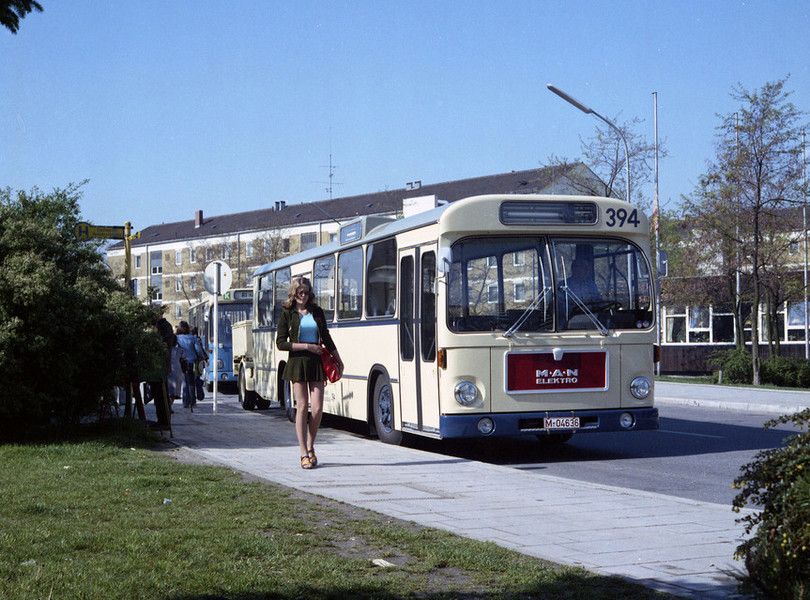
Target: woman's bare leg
{"type": "Point", "coordinates": [316, 406]}
{"type": "Point", "coordinates": [299, 390]}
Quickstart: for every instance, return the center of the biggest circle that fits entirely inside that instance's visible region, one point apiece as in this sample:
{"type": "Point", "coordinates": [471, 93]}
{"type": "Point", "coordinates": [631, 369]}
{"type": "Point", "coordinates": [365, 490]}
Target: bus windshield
{"type": "Point", "coordinates": [228, 315]}
{"type": "Point", "coordinates": [548, 284]}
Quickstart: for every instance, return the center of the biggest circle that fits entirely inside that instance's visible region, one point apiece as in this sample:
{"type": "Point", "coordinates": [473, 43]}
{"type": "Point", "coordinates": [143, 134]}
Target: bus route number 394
{"type": "Point", "coordinates": [621, 217]}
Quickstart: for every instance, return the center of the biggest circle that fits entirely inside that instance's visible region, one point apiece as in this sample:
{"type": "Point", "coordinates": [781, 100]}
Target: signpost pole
{"type": "Point", "coordinates": [217, 288]}
{"type": "Point", "coordinates": [127, 256]}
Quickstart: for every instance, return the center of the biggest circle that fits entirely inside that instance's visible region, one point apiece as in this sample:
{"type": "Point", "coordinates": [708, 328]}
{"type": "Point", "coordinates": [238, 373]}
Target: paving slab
{"type": "Point", "coordinates": [673, 544]}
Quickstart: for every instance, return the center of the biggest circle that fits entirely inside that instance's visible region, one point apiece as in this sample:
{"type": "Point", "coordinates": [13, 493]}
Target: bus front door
{"type": "Point", "coordinates": [418, 377]}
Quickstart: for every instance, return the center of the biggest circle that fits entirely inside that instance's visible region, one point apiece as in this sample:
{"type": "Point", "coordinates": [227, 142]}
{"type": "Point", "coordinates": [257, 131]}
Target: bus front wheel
{"type": "Point", "coordinates": [384, 412]}
{"type": "Point", "coordinates": [247, 398]}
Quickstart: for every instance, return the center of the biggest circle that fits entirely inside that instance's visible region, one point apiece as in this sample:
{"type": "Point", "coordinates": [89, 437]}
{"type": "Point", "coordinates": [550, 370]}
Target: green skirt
{"type": "Point", "coordinates": [303, 366]}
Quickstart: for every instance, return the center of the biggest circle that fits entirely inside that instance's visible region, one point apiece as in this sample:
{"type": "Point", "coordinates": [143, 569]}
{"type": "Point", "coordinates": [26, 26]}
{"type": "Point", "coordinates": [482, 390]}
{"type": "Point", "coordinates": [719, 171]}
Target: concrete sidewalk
{"type": "Point", "coordinates": [745, 399]}
{"type": "Point", "coordinates": [672, 544]}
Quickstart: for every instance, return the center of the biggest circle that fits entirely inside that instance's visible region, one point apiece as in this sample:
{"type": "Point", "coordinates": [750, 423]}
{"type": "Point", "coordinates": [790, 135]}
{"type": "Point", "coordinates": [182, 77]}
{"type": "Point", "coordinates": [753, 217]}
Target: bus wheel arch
{"type": "Point", "coordinates": [382, 409]}
{"type": "Point", "coordinates": [247, 398]}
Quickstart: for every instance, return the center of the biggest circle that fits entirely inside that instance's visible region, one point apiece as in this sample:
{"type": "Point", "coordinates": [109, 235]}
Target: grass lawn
{"type": "Point", "coordinates": [104, 515]}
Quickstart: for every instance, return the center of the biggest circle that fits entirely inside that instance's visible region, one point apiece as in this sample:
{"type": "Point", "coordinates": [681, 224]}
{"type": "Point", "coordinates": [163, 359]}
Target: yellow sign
{"type": "Point", "coordinates": [86, 231]}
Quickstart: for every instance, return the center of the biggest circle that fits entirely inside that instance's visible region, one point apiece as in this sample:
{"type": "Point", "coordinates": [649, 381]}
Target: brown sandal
{"type": "Point", "coordinates": [313, 458]}
{"type": "Point", "coordinates": [306, 463]}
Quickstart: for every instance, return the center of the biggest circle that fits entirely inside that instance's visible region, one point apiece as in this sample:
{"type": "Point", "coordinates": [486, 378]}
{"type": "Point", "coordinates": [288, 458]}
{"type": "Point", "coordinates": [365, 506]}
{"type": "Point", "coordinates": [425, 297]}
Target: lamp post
{"type": "Point", "coordinates": [804, 233]}
{"type": "Point", "coordinates": [589, 111]}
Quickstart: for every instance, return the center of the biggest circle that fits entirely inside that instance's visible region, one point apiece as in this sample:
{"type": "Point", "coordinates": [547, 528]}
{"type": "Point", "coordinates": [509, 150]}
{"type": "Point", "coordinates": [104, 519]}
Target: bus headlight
{"type": "Point", "coordinates": [220, 364]}
{"type": "Point", "coordinates": [466, 393]}
{"type": "Point", "coordinates": [640, 387]}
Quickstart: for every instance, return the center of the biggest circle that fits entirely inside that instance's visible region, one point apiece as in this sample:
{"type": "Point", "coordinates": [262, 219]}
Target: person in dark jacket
{"type": "Point", "coordinates": [301, 329]}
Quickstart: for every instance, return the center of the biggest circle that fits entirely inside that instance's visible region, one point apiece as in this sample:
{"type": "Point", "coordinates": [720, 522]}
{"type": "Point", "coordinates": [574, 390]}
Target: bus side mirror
{"type": "Point", "coordinates": [445, 256]}
{"type": "Point", "coordinates": [663, 263]}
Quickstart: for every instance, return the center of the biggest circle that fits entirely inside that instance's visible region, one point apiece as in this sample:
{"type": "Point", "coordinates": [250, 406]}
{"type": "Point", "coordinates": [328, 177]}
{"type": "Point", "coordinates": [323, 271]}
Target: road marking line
{"type": "Point", "coordinates": [716, 437]}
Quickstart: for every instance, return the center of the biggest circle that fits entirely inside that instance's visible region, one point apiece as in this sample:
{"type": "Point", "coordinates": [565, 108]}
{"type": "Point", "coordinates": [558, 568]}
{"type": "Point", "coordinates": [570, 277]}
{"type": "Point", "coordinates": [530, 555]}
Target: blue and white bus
{"type": "Point", "coordinates": [234, 306]}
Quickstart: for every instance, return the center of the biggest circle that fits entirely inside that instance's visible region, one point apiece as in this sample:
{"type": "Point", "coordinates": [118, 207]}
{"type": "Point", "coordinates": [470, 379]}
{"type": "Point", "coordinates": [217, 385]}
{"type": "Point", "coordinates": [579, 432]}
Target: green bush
{"type": "Point", "coordinates": [736, 365]}
{"type": "Point", "coordinates": [68, 330]}
{"type": "Point", "coordinates": [803, 374]}
{"type": "Point", "coordinates": [779, 370]}
{"type": "Point", "coordinates": [777, 555]}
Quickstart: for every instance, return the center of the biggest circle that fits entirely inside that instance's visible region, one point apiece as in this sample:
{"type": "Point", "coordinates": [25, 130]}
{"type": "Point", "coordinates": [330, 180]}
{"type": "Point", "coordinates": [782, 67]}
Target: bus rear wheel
{"type": "Point", "coordinates": [383, 406]}
{"type": "Point", "coordinates": [247, 398]}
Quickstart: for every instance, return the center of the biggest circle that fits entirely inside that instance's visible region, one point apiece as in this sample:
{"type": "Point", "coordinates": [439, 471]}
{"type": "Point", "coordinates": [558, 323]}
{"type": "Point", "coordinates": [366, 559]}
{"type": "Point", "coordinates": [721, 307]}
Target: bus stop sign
{"type": "Point", "coordinates": [217, 272]}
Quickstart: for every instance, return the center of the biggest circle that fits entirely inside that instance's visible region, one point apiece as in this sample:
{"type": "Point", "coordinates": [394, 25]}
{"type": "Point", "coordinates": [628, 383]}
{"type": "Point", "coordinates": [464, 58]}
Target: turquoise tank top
{"type": "Point", "coordinates": [308, 330]}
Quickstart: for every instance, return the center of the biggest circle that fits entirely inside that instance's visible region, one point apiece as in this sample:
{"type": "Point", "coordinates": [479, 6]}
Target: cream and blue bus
{"type": "Point", "coordinates": [472, 320]}
{"type": "Point", "coordinates": [235, 305]}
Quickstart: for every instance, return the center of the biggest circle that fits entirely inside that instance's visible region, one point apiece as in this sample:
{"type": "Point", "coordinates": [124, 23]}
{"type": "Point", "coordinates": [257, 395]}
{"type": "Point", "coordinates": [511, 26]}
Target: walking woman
{"type": "Point", "coordinates": [301, 328]}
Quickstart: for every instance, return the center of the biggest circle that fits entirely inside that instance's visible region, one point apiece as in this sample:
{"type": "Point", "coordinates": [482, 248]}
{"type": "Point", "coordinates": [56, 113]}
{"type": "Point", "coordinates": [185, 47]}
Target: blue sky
{"type": "Point", "coordinates": [169, 107]}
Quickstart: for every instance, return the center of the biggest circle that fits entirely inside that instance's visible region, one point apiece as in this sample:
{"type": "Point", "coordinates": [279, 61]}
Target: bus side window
{"type": "Point", "coordinates": [324, 285]}
{"type": "Point", "coordinates": [350, 283]}
{"type": "Point", "coordinates": [265, 315]}
{"type": "Point", "coordinates": [427, 304]}
{"type": "Point", "coordinates": [281, 288]}
{"type": "Point", "coordinates": [381, 282]}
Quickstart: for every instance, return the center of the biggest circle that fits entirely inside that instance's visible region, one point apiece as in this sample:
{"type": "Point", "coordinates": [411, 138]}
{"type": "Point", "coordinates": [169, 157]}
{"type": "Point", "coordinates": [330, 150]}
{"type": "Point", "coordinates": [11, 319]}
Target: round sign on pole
{"type": "Point", "coordinates": [217, 271]}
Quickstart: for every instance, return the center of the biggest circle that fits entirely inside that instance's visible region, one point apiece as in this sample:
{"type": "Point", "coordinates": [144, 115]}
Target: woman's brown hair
{"type": "Point", "coordinates": [296, 283]}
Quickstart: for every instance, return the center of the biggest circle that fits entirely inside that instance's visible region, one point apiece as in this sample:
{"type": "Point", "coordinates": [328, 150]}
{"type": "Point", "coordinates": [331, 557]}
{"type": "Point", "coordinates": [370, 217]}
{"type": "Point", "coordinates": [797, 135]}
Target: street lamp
{"type": "Point", "coordinates": [589, 111]}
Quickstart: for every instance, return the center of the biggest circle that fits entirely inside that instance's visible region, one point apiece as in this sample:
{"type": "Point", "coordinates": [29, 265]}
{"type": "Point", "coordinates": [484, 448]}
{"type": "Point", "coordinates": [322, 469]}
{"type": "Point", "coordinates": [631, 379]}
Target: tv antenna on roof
{"type": "Point", "coordinates": [330, 183]}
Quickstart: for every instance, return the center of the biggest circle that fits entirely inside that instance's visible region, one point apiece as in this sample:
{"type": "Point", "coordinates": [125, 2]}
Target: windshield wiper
{"type": "Point", "coordinates": [587, 311]}
{"type": "Point", "coordinates": [525, 314]}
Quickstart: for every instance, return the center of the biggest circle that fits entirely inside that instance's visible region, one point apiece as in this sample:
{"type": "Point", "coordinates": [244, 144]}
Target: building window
{"type": "Point", "coordinates": [178, 311]}
{"type": "Point", "coordinates": [309, 240]}
{"type": "Point", "coordinates": [178, 284]}
{"type": "Point", "coordinates": [285, 245]}
{"type": "Point", "coordinates": [133, 285]}
{"type": "Point", "coordinates": [492, 261]}
{"type": "Point", "coordinates": [192, 283]}
{"type": "Point", "coordinates": [520, 292]}
{"type": "Point", "coordinates": [492, 293]}
{"type": "Point", "coordinates": [793, 248]}
{"type": "Point", "coordinates": [157, 270]}
{"type": "Point", "coordinates": [138, 261]}
{"type": "Point", "coordinates": [698, 324]}
{"type": "Point", "coordinates": [675, 324]}
{"type": "Point", "coordinates": [209, 253]}
{"type": "Point", "coordinates": [226, 251]}
{"type": "Point", "coordinates": [192, 255]}
{"type": "Point", "coordinates": [178, 257]}
{"type": "Point", "coordinates": [249, 250]}
{"type": "Point", "coordinates": [518, 259]}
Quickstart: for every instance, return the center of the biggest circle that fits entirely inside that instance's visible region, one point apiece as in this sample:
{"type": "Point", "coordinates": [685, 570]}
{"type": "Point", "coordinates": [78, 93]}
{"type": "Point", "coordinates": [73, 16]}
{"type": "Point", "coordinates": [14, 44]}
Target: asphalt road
{"type": "Point", "coordinates": [696, 453]}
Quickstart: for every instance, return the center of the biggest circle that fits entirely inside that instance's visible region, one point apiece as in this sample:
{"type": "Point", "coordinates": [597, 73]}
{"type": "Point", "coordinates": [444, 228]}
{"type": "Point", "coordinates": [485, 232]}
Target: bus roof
{"type": "Point", "coordinates": [406, 224]}
{"type": "Point", "coordinates": [388, 229]}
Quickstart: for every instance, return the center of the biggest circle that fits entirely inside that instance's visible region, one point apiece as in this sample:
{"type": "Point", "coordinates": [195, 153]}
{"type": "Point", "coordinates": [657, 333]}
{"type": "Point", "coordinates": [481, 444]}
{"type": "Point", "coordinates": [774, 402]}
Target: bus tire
{"type": "Point", "coordinates": [247, 398]}
{"type": "Point", "coordinates": [383, 406]}
{"type": "Point", "coordinates": [555, 439]}
{"type": "Point", "coordinates": [289, 403]}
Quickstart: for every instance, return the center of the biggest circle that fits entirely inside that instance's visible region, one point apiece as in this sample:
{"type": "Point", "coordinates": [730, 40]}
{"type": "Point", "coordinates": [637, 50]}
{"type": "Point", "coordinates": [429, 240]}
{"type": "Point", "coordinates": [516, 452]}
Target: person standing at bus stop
{"type": "Point", "coordinates": [192, 351]}
{"type": "Point", "coordinates": [301, 328]}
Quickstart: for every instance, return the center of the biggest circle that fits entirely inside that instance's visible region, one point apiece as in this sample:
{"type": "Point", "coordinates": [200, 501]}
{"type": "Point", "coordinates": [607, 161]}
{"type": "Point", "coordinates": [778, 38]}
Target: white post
{"type": "Point", "coordinates": [656, 224]}
{"type": "Point", "coordinates": [216, 332]}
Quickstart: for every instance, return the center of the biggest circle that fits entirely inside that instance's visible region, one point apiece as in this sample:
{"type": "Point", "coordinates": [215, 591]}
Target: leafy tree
{"type": "Point", "coordinates": [604, 155]}
{"type": "Point", "coordinates": [11, 11]}
{"type": "Point", "coordinates": [756, 172]}
{"type": "Point", "coordinates": [68, 331]}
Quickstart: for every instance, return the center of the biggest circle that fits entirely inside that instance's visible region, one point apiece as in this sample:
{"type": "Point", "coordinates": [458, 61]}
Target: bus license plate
{"type": "Point", "coordinates": [561, 423]}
